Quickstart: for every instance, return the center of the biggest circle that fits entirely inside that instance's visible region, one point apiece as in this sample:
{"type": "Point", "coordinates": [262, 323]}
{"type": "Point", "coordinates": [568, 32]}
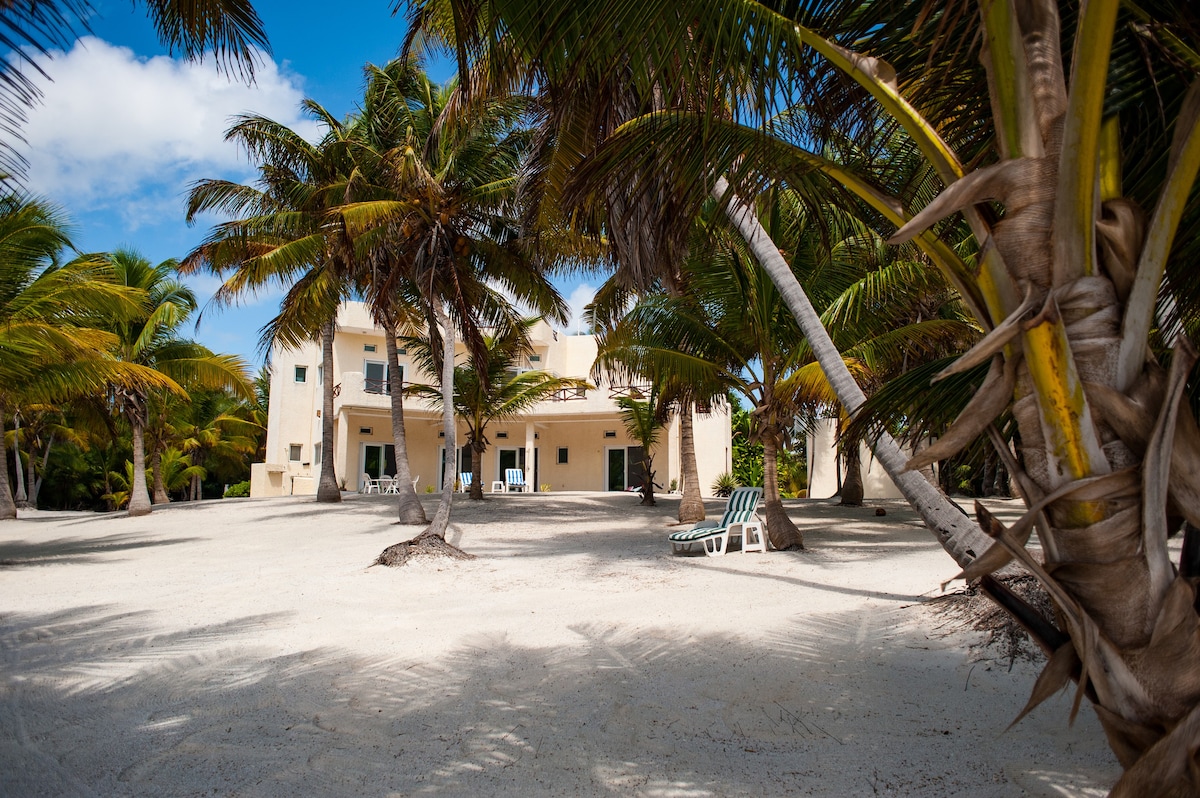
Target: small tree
{"type": "Point", "coordinates": [643, 419]}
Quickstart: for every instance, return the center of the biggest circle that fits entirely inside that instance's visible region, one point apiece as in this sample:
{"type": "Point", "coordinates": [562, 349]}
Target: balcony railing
{"type": "Point", "coordinates": [379, 386]}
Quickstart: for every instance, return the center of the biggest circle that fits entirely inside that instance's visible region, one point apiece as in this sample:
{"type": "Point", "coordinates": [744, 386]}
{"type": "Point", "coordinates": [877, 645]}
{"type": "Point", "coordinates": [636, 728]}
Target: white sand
{"type": "Point", "coordinates": [244, 648]}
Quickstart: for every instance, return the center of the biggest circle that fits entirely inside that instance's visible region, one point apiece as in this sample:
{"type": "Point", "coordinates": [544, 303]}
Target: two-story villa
{"type": "Point", "coordinates": [574, 441]}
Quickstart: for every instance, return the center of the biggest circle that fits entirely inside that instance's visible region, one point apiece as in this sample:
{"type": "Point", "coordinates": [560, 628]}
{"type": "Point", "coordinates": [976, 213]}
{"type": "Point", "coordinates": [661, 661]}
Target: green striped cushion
{"type": "Point", "coordinates": [742, 504]}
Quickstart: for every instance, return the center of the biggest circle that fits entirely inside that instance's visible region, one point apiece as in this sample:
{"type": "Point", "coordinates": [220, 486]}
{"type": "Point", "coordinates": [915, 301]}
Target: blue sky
{"type": "Point", "coordinates": [124, 129]}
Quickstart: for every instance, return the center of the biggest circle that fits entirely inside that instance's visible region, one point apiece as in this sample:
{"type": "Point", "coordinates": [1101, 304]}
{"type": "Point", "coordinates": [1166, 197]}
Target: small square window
{"type": "Point", "coordinates": [502, 435]}
{"type": "Point", "coordinates": [301, 373]}
{"type": "Point", "coordinates": [610, 433]}
{"type": "Point", "coordinates": [535, 358]}
{"type": "Point", "coordinates": [295, 452]}
{"type": "Point", "coordinates": [368, 347]}
{"type": "Point", "coordinates": [562, 455]}
{"type": "Point", "coordinates": [366, 430]}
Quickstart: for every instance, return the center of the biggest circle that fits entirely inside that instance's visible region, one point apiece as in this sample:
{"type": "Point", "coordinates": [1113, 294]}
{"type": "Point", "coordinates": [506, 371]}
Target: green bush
{"type": "Point", "coordinates": [724, 484]}
{"type": "Point", "coordinates": [239, 490]}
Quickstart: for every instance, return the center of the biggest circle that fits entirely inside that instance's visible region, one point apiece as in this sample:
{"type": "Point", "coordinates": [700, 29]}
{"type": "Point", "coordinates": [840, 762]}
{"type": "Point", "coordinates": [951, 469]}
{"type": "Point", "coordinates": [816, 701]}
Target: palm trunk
{"type": "Point", "coordinates": [852, 485]}
{"type": "Point", "coordinates": [160, 488]}
{"type": "Point", "coordinates": [139, 497]}
{"type": "Point", "coordinates": [327, 487]}
{"type": "Point", "coordinates": [8, 508]}
{"type": "Point", "coordinates": [959, 536]}
{"type": "Point", "coordinates": [196, 489]}
{"type": "Point", "coordinates": [780, 528]}
{"type": "Point", "coordinates": [691, 506]}
{"type": "Point", "coordinates": [441, 518]}
{"type": "Point", "coordinates": [20, 496]}
{"type": "Point", "coordinates": [648, 481]}
{"type": "Point", "coordinates": [35, 481]}
{"type": "Point", "coordinates": [410, 508]}
{"type": "Point", "coordinates": [477, 450]}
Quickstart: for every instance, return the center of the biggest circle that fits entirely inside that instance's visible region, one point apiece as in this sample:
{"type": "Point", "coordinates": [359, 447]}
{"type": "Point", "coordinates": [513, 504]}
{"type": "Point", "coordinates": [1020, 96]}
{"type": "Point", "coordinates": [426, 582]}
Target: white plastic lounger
{"type": "Point", "coordinates": [739, 521]}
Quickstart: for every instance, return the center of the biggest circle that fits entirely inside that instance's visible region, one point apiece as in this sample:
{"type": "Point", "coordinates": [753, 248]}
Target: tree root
{"type": "Point", "coordinates": [421, 546]}
{"type": "Point", "coordinates": [971, 609]}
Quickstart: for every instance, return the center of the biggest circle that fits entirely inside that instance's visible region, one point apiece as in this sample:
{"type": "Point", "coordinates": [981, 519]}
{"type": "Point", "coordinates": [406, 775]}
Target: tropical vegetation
{"type": "Point", "coordinates": [1076, 266]}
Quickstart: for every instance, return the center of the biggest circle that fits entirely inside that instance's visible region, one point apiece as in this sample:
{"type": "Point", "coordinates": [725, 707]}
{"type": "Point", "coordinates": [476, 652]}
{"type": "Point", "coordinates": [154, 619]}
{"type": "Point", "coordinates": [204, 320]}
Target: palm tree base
{"type": "Point", "coordinates": [422, 545]}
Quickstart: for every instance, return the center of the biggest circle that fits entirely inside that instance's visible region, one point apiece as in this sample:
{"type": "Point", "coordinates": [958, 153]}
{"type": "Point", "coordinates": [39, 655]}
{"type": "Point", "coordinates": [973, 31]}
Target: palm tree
{"type": "Point", "coordinates": [285, 231]}
{"type": "Point", "coordinates": [528, 42]}
{"type": "Point", "coordinates": [151, 340]}
{"type": "Point", "coordinates": [501, 392]}
{"type": "Point", "coordinates": [443, 202]}
{"type": "Point", "coordinates": [51, 344]}
{"type": "Point", "coordinates": [643, 420]}
{"type": "Point", "coordinates": [230, 29]}
{"type": "Point", "coordinates": [1067, 283]}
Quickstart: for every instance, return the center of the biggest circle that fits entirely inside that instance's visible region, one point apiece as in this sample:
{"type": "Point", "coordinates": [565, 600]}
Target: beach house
{"type": "Point", "coordinates": [573, 441]}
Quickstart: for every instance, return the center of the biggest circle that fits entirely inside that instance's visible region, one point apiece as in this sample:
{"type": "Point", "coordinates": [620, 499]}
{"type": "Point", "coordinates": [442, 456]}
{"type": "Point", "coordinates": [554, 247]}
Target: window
{"type": "Point", "coordinates": [366, 430]}
{"type": "Point", "coordinates": [535, 358]}
{"type": "Point", "coordinates": [562, 455]}
{"type": "Point", "coordinates": [294, 452]}
{"type": "Point", "coordinates": [368, 347]}
{"type": "Point", "coordinates": [610, 433]}
{"type": "Point", "coordinates": [376, 377]}
{"type": "Point", "coordinates": [301, 373]}
{"type": "Point", "coordinates": [501, 435]}
{"type": "Point", "coordinates": [316, 453]}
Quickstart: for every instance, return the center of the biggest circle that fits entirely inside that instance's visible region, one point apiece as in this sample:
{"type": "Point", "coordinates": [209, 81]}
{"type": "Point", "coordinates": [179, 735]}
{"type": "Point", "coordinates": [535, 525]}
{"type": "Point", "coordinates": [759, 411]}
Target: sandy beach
{"type": "Point", "coordinates": [245, 648]}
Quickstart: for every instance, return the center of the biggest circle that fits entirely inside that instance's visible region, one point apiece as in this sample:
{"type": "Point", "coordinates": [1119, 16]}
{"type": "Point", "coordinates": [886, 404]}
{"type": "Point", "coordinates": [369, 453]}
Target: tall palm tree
{"type": "Point", "coordinates": [285, 231]}
{"type": "Point", "coordinates": [1067, 283]}
{"type": "Point", "coordinates": [444, 203]}
{"type": "Point", "coordinates": [501, 392]}
{"type": "Point", "coordinates": [532, 43]}
{"type": "Point", "coordinates": [151, 340]}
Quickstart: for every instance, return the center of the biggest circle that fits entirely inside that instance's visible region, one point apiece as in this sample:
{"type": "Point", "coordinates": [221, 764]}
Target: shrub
{"type": "Point", "coordinates": [724, 484]}
{"type": "Point", "coordinates": [238, 490]}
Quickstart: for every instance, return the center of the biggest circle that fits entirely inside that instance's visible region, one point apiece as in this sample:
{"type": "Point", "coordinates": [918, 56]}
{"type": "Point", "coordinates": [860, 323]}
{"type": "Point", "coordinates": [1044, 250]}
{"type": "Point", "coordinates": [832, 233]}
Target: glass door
{"type": "Point", "coordinates": [375, 377]}
{"type": "Point", "coordinates": [615, 474]}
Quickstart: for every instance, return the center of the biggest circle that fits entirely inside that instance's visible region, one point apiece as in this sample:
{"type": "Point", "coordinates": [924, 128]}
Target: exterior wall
{"type": "Point", "coordinates": [580, 425]}
{"type": "Point", "coordinates": [822, 467]}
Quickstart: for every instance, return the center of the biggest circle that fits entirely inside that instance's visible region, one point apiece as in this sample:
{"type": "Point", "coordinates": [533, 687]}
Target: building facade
{"type": "Point", "coordinates": [574, 441]}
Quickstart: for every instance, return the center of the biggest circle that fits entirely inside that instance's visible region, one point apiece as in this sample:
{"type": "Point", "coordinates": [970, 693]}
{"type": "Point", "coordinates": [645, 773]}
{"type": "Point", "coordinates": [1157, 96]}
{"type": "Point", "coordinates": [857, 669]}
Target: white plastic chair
{"type": "Point", "coordinates": [368, 485]}
{"type": "Point", "coordinates": [514, 479]}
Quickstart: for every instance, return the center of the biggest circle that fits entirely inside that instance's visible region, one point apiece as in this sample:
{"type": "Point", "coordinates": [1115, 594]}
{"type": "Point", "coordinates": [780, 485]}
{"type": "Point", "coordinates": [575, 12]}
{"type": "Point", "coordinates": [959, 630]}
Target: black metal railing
{"type": "Point", "coordinates": [380, 386]}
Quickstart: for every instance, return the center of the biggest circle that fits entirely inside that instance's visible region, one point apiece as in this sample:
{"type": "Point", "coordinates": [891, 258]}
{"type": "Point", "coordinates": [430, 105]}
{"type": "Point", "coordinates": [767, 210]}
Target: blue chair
{"type": "Point", "coordinates": [514, 479]}
{"type": "Point", "coordinates": [739, 521]}
{"type": "Point", "coordinates": [464, 481]}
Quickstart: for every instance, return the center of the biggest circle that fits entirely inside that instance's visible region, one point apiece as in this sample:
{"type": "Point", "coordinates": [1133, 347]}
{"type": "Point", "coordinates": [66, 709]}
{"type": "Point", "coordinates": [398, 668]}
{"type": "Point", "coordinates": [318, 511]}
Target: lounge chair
{"type": "Point", "coordinates": [368, 484]}
{"type": "Point", "coordinates": [464, 481]}
{"type": "Point", "coordinates": [514, 479]}
{"type": "Point", "coordinates": [739, 521]}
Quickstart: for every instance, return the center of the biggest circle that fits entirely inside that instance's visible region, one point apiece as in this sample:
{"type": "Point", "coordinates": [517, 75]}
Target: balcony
{"type": "Point", "coordinates": [355, 390]}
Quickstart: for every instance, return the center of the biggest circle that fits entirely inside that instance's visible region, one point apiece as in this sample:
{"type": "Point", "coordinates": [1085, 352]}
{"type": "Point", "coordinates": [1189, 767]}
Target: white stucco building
{"type": "Point", "coordinates": [575, 441]}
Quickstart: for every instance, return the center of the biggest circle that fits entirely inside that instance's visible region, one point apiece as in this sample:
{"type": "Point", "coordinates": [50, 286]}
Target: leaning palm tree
{"type": "Point", "coordinates": [528, 42]}
{"type": "Point", "coordinates": [151, 340]}
{"type": "Point", "coordinates": [1067, 282]}
{"type": "Point", "coordinates": [501, 392]}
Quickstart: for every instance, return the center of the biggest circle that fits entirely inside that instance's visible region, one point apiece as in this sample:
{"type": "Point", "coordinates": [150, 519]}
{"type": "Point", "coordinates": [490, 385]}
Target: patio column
{"type": "Point", "coordinates": [529, 486]}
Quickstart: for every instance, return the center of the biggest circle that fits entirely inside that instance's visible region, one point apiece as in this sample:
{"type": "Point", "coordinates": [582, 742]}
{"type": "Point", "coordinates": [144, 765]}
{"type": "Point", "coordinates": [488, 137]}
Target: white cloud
{"type": "Point", "coordinates": [580, 298]}
{"type": "Point", "coordinates": [116, 129]}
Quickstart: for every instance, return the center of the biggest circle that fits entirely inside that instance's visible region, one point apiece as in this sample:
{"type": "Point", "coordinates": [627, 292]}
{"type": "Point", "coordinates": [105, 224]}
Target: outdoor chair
{"type": "Point", "coordinates": [464, 481]}
{"type": "Point", "coordinates": [739, 521]}
{"type": "Point", "coordinates": [391, 485]}
{"type": "Point", "coordinates": [368, 485]}
{"type": "Point", "coordinates": [514, 479]}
